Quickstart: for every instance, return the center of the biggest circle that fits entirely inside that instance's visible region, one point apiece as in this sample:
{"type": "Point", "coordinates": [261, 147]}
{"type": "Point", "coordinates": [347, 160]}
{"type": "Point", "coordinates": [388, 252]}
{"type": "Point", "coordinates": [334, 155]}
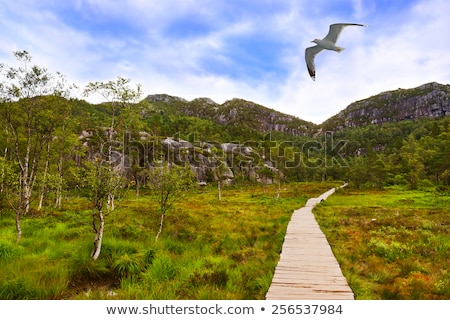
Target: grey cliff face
{"type": "Point", "coordinates": [429, 100]}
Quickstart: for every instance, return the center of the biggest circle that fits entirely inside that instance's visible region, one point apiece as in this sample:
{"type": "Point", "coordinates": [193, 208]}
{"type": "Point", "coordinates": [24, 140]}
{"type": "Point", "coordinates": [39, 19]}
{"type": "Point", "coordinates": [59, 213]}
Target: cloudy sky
{"type": "Point", "coordinates": [224, 49]}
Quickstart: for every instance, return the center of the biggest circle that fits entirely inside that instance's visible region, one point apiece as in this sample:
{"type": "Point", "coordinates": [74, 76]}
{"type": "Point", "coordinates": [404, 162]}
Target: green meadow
{"type": "Point", "coordinates": [208, 249]}
{"type": "Point", "coordinates": [391, 244]}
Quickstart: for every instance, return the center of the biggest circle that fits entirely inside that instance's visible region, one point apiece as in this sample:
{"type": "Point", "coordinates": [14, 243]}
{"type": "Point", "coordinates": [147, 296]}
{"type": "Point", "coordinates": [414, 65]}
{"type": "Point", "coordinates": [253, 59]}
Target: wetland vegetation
{"type": "Point", "coordinates": [209, 249]}
{"type": "Point", "coordinates": [391, 244]}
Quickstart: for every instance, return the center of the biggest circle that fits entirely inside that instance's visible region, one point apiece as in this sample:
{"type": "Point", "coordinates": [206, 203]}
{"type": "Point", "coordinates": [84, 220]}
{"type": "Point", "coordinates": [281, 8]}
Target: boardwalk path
{"type": "Point", "coordinates": [307, 269]}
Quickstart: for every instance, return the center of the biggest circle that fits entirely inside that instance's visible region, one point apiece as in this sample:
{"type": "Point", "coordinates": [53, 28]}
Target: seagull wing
{"type": "Point", "coordinates": [335, 30]}
{"type": "Point", "coordinates": [310, 54]}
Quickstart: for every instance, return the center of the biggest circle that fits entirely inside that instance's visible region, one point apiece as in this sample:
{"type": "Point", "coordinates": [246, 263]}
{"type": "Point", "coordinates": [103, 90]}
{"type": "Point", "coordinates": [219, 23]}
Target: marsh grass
{"type": "Point", "coordinates": [391, 244]}
{"type": "Point", "coordinates": [209, 249]}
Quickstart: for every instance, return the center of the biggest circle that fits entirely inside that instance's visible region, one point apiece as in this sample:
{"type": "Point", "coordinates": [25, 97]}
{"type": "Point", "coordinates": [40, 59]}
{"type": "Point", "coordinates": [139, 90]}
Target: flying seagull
{"type": "Point", "coordinates": [328, 43]}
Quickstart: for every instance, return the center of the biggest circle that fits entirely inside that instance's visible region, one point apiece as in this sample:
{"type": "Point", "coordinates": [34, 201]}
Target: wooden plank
{"type": "Point", "coordinates": [307, 268]}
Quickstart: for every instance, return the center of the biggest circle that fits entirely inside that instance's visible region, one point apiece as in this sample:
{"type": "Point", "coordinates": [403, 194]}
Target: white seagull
{"type": "Point", "coordinates": [328, 43]}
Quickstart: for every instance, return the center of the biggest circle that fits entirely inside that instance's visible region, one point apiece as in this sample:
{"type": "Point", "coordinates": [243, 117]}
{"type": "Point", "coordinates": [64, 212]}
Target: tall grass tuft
{"type": "Point", "coordinates": [162, 269]}
{"type": "Point", "coordinates": [85, 269]}
{"type": "Point", "coordinates": [20, 288]}
{"type": "Point", "coordinates": [9, 250]}
{"type": "Point", "coordinates": [128, 266]}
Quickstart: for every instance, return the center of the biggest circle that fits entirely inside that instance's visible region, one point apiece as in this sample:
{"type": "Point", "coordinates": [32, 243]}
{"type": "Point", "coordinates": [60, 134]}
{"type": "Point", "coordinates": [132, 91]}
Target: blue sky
{"type": "Point", "coordinates": [227, 49]}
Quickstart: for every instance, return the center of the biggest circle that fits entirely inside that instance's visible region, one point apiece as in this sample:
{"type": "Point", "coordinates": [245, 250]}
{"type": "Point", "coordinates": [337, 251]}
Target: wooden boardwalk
{"type": "Point", "coordinates": [308, 269]}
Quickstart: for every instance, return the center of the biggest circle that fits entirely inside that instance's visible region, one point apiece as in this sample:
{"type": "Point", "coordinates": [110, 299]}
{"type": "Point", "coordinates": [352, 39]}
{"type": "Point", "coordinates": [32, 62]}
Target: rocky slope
{"type": "Point", "coordinates": [235, 112]}
{"type": "Point", "coordinates": [428, 100]}
{"type": "Point", "coordinates": [226, 161]}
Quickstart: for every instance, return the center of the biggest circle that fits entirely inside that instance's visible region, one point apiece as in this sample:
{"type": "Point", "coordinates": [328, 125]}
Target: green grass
{"type": "Point", "coordinates": [209, 249]}
{"type": "Point", "coordinates": [391, 244]}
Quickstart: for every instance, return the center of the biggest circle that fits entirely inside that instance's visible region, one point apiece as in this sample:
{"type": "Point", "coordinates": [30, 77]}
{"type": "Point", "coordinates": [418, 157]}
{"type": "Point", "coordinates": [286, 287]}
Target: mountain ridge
{"type": "Point", "coordinates": [238, 112]}
{"type": "Point", "coordinates": [428, 100]}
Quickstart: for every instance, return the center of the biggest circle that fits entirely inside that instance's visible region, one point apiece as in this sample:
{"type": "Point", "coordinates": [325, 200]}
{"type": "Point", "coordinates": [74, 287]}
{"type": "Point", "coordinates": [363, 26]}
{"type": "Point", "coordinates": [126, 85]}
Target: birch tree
{"type": "Point", "coordinates": [169, 183]}
{"type": "Point", "coordinates": [29, 113]}
{"type": "Point", "coordinates": [222, 173]}
{"type": "Point", "coordinates": [119, 96]}
{"type": "Point", "coordinates": [104, 178]}
{"type": "Point", "coordinates": [101, 181]}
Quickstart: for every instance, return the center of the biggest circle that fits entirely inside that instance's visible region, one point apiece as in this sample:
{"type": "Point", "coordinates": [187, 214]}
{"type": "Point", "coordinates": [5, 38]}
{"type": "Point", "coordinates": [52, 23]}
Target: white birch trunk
{"type": "Point", "coordinates": [98, 236]}
{"type": "Point", "coordinates": [59, 188]}
{"type": "Point", "coordinates": [110, 202]}
{"type": "Point", "coordinates": [44, 178]}
{"type": "Point", "coordinates": [161, 222]}
{"type": "Point", "coordinates": [26, 195]}
{"type": "Point", "coordinates": [18, 228]}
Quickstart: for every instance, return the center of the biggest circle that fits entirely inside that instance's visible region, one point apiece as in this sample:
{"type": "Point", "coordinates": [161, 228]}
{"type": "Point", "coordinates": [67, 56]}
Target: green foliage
{"type": "Point", "coordinates": [120, 97]}
{"type": "Point", "coordinates": [169, 184]}
{"type": "Point", "coordinates": [410, 153]}
{"type": "Point", "coordinates": [99, 181]}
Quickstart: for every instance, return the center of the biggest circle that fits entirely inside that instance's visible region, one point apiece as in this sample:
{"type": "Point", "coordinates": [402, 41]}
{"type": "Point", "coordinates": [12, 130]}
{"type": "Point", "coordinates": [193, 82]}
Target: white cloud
{"type": "Point", "coordinates": [363, 8]}
{"type": "Point", "coordinates": [405, 52]}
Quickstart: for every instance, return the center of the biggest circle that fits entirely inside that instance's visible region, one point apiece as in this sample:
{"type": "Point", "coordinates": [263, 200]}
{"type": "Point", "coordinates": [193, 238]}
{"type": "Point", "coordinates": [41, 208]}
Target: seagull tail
{"type": "Point", "coordinates": [339, 49]}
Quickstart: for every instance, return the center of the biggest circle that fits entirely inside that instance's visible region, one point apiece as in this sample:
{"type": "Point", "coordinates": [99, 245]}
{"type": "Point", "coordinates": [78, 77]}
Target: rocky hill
{"type": "Point", "coordinates": [235, 112]}
{"type": "Point", "coordinates": [428, 100]}
{"type": "Point", "coordinates": [231, 156]}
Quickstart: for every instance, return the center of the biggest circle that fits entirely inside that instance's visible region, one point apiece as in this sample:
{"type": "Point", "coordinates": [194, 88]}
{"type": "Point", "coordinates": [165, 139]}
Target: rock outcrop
{"type": "Point", "coordinates": [208, 161]}
{"type": "Point", "coordinates": [212, 161]}
{"type": "Point", "coordinates": [429, 100]}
